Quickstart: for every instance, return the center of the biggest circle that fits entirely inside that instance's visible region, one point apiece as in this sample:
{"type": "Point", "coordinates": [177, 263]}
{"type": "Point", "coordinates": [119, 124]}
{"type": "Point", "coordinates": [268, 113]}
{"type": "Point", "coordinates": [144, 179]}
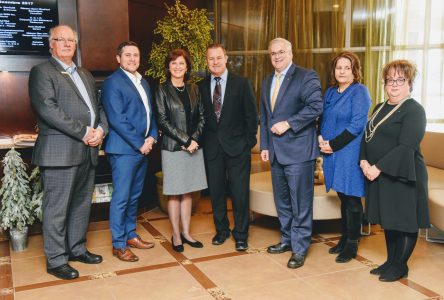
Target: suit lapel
{"type": "Point", "coordinates": [67, 76]}
{"type": "Point", "coordinates": [88, 90]}
{"type": "Point", "coordinates": [285, 84]}
{"type": "Point", "coordinates": [268, 81]}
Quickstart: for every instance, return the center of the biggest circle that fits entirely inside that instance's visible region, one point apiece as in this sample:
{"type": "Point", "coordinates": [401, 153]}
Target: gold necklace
{"type": "Point", "coordinates": [370, 132]}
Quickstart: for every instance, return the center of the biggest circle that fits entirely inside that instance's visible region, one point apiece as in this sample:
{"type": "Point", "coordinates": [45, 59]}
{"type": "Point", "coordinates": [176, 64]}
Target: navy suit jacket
{"type": "Point", "coordinates": [126, 114]}
{"type": "Point", "coordinates": [299, 102]}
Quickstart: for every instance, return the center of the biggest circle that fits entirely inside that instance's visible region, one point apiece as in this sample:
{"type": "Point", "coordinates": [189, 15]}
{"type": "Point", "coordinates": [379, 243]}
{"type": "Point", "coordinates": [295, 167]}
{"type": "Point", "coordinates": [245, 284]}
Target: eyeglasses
{"type": "Point", "coordinates": [279, 53]}
{"type": "Point", "coordinates": [391, 82]}
{"type": "Point", "coordinates": [63, 41]}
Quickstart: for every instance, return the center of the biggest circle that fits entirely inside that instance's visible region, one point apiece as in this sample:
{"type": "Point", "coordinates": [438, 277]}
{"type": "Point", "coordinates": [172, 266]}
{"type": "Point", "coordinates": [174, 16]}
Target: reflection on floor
{"type": "Point", "coordinates": [219, 272]}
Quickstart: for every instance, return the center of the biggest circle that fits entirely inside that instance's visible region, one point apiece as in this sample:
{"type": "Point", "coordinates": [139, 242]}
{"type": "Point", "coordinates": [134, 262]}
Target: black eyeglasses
{"type": "Point", "coordinates": [391, 82]}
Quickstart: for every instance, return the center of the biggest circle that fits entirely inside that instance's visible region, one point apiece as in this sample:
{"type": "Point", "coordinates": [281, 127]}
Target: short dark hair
{"type": "Point", "coordinates": [173, 55]}
{"type": "Point", "coordinates": [124, 44]}
{"type": "Point", "coordinates": [355, 66]}
{"type": "Point", "coordinates": [217, 45]}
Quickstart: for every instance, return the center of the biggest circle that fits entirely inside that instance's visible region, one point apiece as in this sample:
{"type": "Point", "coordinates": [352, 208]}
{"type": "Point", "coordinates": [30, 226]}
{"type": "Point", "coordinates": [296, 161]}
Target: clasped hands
{"type": "Point", "coordinates": [371, 172]}
{"type": "Point", "coordinates": [193, 147]}
{"type": "Point", "coordinates": [324, 145]}
{"type": "Point", "coordinates": [93, 137]}
{"type": "Point", "coordinates": [147, 146]}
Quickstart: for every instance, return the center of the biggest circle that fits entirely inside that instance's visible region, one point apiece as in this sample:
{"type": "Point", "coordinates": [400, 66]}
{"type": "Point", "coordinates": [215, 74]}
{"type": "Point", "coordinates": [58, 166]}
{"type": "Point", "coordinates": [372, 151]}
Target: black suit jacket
{"type": "Point", "coordinates": [236, 130]}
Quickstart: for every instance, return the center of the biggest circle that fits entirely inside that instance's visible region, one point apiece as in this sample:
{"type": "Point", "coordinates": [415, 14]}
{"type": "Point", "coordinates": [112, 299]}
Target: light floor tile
{"type": "Point", "coordinates": [169, 283]}
{"type": "Point", "coordinates": [243, 271]}
{"type": "Point", "coordinates": [291, 289]}
{"type": "Point", "coordinates": [35, 248]}
{"type": "Point", "coordinates": [428, 271]}
{"type": "Point", "coordinates": [359, 284]}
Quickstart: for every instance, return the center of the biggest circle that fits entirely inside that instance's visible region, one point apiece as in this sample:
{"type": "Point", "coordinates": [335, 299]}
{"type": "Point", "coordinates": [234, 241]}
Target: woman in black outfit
{"type": "Point", "coordinates": [180, 116]}
{"type": "Point", "coordinates": [396, 185]}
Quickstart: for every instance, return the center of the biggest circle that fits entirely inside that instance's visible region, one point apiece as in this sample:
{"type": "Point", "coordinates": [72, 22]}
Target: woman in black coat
{"type": "Point", "coordinates": [391, 159]}
{"type": "Point", "coordinates": [180, 116]}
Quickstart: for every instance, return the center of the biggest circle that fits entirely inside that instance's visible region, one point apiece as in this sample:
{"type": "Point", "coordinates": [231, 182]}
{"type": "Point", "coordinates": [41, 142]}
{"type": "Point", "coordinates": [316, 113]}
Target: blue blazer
{"type": "Point", "coordinates": [126, 114]}
{"type": "Point", "coordinates": [299, 102]}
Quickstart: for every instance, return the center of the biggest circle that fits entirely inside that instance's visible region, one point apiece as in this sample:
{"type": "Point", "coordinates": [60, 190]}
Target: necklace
{"type": "Point", "coordinates": [180, 89]}
{"type": "Point", "coordinates": [371, 128]}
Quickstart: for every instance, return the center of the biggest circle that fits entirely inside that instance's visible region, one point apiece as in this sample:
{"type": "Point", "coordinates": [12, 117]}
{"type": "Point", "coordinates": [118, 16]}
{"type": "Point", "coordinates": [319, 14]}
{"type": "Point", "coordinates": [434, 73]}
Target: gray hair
{"type": "Point", "coordinates": [51, 32]}
{"type": "Point", "coordinates": [280, 40]}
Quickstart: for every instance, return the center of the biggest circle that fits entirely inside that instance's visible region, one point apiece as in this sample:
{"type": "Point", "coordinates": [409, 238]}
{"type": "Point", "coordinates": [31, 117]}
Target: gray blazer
{"type": "Point", "coordinates": [62, 116]}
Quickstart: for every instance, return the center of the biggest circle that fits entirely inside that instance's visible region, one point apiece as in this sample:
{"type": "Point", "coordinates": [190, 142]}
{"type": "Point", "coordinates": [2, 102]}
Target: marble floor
{"type": "Point", "coordinates": [219, 272]}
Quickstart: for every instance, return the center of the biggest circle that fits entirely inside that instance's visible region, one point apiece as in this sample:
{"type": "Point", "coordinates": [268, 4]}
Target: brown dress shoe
{"type": "Point", "coordinates": [138, 243]}
{"type": "Point", "coordinates": [125, 254]}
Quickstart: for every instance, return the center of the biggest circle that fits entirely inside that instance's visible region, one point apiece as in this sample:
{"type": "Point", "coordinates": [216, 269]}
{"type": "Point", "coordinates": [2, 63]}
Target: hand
{"type": "Point", "coordinates": [324, 146]}
{"type": "Point", "coordinates": [194, 146]}
{"type": "Point", "coordinates": [280, 127]}
{"type": "Point", "coordinates": [372, 173]}
{"type": "Point", "coordinates": [89, 135]}
{"type": "Point", "coordinates": [97, 139]}
{"type": "Point", "coordinates": [265, 155]}
{"type": "Point", "coordinates": [364, 165]}
{"type": "Point", "coordinates": [147, 146]}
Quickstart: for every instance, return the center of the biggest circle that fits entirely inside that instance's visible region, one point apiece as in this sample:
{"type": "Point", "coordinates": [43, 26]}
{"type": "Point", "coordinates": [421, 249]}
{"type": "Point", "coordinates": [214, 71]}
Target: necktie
{"type": "Point", "coordinates": [275, 90]}
{"type": "Point", "coordinates": [217, 98]}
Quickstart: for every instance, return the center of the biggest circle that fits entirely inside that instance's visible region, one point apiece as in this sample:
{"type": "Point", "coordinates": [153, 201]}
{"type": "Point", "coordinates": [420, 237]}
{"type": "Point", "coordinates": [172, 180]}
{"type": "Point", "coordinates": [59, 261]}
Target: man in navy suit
{"type": "Point", "coordinates": [126, 98]}
{"type": "Point", "coordinates": [291, 101]}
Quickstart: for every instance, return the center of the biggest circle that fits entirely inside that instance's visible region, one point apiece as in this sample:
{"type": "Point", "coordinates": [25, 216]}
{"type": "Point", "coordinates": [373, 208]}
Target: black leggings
{"type": "Point", "coordinates": [350, 203]}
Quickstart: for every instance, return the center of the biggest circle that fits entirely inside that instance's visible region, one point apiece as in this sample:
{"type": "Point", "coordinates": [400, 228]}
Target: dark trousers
{"type": "Point", "coordinates": [66, 205]}
{"type": "Point", "coordinates": [231, 173]}
{"type": "Point", "coordinates": [293, 189]}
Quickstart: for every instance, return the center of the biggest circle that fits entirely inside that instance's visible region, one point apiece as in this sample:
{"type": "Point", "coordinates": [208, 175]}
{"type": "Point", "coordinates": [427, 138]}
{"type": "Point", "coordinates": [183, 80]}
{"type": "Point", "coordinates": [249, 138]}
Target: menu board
{"type": "Point", "coordinates": [24, 26]}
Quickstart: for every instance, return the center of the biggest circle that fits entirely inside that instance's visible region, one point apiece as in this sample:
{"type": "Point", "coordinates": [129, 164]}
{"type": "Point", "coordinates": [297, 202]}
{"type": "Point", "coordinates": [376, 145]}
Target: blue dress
{"type": "Point", "coordinates": [345, 111]}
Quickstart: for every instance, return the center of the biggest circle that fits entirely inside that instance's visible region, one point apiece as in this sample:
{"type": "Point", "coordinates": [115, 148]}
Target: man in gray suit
{"type": "Point", "coordinates": [71, 126]}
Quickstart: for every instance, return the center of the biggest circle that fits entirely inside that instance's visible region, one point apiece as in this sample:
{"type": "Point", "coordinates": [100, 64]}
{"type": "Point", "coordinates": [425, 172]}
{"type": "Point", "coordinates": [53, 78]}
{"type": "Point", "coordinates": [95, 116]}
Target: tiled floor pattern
{"type": "Point", "coordinates": [219, 272]}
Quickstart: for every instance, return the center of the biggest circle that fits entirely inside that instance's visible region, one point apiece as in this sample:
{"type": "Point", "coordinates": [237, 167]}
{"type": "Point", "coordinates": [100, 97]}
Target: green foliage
{"type": "Point", "coordinates": [181, 28]}
{"type": "Point", "coordinates": [36, 192]}
{"type": "Point", "coordinates": [16, 210]}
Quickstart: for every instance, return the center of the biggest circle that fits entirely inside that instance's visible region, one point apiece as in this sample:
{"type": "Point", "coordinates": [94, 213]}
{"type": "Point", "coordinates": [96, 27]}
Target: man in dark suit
{"type": "Point", "coordinates": [229, 135]}
{"type": "Point", "coordinates": [126, 98]}
{"type": "Point", "coordinates": [291, 101]}
{"type": "Point", "coordinates": [71, 126]}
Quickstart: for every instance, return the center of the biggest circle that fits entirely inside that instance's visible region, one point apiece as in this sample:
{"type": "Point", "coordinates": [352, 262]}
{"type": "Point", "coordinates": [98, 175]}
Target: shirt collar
{"type": "Point", "coordinates": [136, 78]}
{"type": "Point", "coordinates": [69, 69]}
{"type": "Point", "coordinates": [223, 77]}
{"type": "Point", "coordinates": [284, 72]}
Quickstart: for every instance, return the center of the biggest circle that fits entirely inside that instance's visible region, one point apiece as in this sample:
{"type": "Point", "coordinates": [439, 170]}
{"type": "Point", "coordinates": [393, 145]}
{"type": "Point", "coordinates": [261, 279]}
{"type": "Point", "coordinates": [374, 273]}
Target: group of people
{"type": "Point", "coordinates": [207, 132]}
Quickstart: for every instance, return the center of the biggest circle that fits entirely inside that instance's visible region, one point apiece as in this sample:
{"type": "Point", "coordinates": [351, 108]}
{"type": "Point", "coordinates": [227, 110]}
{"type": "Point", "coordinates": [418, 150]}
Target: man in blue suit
{"type": "Point", "coordinates": [291, 101]}
{"type": "Point", "coordinates": [126, 98]}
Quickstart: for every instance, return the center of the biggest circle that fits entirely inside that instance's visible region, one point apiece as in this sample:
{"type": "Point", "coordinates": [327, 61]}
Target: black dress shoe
{"type": "Point", "coordinates": [178, 248]}
{"type": "Point", "coordinates": [87, 258]}
{"type": "Point", "coordinates": [220, 238]}
{"type": "Point", "coordinates": [278, 248]}
{"type": "Point", "coordinates": [381, 269]}
{"type": "Point", "coordinates": [195, 244]}
{"type": "Point", "coordinates": [64, 272]}
{"type": "Point", "coordinates": [296, 261]}
{"type": "Point", "coordinates": [394, 273]}
{"type": "Point", "coordinates": [241, 245]}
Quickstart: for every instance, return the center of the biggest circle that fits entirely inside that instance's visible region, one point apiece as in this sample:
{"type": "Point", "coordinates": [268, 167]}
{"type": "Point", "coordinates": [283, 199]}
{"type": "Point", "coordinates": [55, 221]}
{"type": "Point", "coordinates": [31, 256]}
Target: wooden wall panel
{"type": "Point", "coordinates": [16, 115]}
{"type": "Point", "coordinates": [103, 25]}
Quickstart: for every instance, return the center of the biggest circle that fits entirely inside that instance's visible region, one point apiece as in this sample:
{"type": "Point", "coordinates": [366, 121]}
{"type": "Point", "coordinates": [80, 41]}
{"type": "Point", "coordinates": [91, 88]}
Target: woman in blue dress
{"type": "Point", "coordinates": [346, 106]}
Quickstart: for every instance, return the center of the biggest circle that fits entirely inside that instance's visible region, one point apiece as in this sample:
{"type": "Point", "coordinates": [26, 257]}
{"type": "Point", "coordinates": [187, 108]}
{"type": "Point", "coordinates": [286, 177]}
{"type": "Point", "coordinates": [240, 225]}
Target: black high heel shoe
{"type": "Point", "coordinates": [195, 244]}
{"type": "Point", "coordinates": [178, 248]}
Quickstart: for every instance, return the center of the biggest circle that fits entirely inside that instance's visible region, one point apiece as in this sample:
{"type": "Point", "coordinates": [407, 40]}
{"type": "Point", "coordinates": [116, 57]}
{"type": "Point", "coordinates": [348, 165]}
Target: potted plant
{"type": "Point", "coordinates": [36, 193]}
{"type": "Point", "coordinates": [183, 28]}
{"type": "Point", "coordinates": [15, 194]}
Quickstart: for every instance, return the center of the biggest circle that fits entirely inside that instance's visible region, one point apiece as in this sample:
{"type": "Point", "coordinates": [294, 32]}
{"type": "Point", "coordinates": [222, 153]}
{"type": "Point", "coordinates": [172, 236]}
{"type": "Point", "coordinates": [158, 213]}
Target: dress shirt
{"type": "Point", "coordinates": [136, 79]}
{"type": "Point", "coordinates": [72, 72]}
{"type": "Point", "coordinates": [223, 84]}
{"type": "Point", "coordinates": [281, 80]}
